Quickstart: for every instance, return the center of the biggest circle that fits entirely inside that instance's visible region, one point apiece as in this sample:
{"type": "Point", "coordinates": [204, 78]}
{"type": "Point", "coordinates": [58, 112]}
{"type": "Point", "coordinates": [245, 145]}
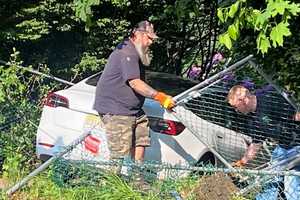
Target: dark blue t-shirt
{"type": "Point", "coordinates": [273, 120]}
{"type": "Point", "coordinates": [113, 93]}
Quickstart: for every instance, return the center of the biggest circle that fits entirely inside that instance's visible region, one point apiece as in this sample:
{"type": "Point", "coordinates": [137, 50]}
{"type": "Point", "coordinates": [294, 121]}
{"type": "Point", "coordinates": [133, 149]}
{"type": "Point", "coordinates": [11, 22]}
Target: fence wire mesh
{"type": "Point", "coordinates": [272, 173]}
{"type": "Point", "coordinates": [232, 134]}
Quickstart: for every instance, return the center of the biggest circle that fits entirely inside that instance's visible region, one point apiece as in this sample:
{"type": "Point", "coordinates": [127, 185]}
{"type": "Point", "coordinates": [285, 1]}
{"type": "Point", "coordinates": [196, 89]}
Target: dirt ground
{"type": "Point", "coordinates": [213, 187]}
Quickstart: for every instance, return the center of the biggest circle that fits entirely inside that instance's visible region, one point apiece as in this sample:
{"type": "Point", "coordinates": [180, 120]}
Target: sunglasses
{"type": "Point", "coordinates": [150, 38]}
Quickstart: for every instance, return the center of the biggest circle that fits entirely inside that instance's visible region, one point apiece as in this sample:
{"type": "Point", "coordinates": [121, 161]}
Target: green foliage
{"type": "Point", "coordinates": [84, 11]}
{"type": "Point", "coordinates": [32, 29]}
{"type": "Point", "coordinates": [121, 190]}
{"type": "Point", "coordinates": [225, 39]}
{"type": "Point", "coordinates": [109, 186]}
{"type": "Point", "coordinates": [271, 29]}
{"type": "Point", "coordinates": [180, 25]}
{"type": "Point", "coordinates": [263, 42]}
{"type": "Point", "coordinates": [19, 136]}
{"type": "Point", "coordinates": [11, 86]}
{"type": "Point", "coordinates": [271, 22]}
{"type": "Point", "coordinates": [36, 20]}
{"type": "Point", "coordinates": [20, 92]}
{"type": "Point", "coordinates": [12, 167]}
{"type": "Point", "coordinates": [278, 32]}
{"type": "Point", "coordinates": [106, 34]}
{"type": "Point", "coordinates": [51, 32]}
{"type": "Point", "coordinates": [88, 63]}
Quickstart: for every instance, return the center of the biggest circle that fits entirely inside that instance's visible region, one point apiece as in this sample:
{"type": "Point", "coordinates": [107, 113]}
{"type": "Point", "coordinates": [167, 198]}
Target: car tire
{"type": "Point", "coordinates": [44, 157]}
{"type": "Point", "coordinates": [208, 159]}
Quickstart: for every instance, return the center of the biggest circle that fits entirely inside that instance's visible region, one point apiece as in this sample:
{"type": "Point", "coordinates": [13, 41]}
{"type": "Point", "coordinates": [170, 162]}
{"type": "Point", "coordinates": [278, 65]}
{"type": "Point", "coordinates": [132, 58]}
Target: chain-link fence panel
{"type": "Point", "coordinates": [247, 121]}
{"type": "Point", "coordinates": [257, 150]}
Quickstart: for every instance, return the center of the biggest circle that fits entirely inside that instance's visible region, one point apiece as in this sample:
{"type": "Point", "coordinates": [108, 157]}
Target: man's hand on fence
{"type": "Point", "coordinates": [239, 163]}
{"type": "Point", "coordinates": [250, 154]}
{"type": "Point", "coordinates": [165, 100]}
{"type": "Point", "coordinates": [297, 116]}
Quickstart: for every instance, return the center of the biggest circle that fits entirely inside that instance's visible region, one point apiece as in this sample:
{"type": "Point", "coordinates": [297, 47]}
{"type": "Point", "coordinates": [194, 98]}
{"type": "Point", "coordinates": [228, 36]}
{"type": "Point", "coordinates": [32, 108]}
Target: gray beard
{"type": "Point", "coordinates": [143, 54]}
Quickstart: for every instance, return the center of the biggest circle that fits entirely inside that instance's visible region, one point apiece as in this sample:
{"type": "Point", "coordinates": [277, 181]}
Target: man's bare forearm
{"type": "Point", "coordinates": [297, 117]}
{"type": "Point", "coordinates": [142, 88]}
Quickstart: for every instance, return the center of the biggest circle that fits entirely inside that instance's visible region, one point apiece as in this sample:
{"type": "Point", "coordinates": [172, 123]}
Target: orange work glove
{"type": "Point", "coordinates": [239, 163]}
{"type": "Point", "coordinates": [165, 100]}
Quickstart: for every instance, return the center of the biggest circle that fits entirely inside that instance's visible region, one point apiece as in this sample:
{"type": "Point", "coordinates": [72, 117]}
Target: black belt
{"type": "Point", "coordinates": [139, 116]}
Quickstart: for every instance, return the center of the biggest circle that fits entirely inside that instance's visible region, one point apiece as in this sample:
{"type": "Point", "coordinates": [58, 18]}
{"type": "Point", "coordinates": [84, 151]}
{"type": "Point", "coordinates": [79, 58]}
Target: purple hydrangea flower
{"type": "Point", "coordinates": [217, 58]}
{"type": "Point", "coordinates": [247, 83]}
{"type": "Point", "coordinates": [194, 72]}
{"type": "Point", "coordinates": [228, 77]}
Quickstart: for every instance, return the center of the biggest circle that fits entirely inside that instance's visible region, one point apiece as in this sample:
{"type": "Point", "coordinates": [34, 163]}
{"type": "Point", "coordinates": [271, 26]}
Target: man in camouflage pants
{"type": "Point", "coordinates": [121, 92]}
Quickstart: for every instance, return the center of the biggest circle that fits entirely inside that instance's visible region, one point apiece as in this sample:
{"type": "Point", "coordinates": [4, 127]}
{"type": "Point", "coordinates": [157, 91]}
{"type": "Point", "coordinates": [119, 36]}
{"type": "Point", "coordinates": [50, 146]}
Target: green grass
{"type": "Point", "coordinates": [69, 181]}
{"type": "Point", "coordinates": [109, 187]}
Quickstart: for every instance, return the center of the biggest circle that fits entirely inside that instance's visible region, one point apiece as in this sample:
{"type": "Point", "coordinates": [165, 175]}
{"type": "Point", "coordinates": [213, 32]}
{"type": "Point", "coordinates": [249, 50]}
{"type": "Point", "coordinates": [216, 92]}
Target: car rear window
{"type": "Point", "coordinates": [93, 79]}
{"type": "Point", "coordinates": [168, 83]}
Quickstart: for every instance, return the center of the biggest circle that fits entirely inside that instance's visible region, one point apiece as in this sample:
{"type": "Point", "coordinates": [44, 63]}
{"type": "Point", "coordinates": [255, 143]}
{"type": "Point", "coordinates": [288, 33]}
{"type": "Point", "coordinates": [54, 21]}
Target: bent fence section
{"type": "Point", "coordinates": [270, 173]}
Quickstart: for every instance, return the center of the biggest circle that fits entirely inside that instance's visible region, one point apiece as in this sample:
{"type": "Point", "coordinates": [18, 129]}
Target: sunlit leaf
{"type": "Point", "coordinates": [220, 15]}
{"type": "Point", "coordinates": [294, 8]}
{"type": "Point", "coordinates": [263, 43]}
{"type": "Point", "coordinates": [233, 9]}
{"type": "Point", "coordinates": [232, 32]}
{"type": "Point", "coordinates": [225, 39]}
{"type": "Point", "coordinates": [278, 32]}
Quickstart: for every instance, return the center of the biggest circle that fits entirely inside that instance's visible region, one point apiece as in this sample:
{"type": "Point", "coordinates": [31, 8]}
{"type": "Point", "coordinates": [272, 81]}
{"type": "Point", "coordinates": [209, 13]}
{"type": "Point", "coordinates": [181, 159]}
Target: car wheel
{"type": "Point", "coordinates": [208, 160]}
{"type": "Point", "coordinates": [44, 157]}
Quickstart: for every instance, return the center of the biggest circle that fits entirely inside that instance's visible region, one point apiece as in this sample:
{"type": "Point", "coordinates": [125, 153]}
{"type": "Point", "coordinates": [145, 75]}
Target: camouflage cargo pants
{"type": "Point", "coordinates": [124, 133]}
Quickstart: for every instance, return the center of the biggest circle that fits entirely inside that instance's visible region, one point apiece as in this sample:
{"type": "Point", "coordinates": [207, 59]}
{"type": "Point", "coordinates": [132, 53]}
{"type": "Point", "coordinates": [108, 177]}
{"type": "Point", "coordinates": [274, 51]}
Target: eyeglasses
{"type": "Point", "coordinates": [149, 38]}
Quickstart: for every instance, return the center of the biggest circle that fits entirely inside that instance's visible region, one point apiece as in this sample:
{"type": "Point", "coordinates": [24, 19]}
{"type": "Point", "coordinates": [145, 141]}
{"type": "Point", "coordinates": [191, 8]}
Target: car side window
{"type": "Point", "coordinates": [168, 83]}
{"type": "Point", "coordinates": [93, 80]}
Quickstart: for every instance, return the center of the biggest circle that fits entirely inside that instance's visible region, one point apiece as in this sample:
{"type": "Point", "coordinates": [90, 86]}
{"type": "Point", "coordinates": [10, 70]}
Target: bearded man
{"type": "Point", "coordinates": [121, 92]}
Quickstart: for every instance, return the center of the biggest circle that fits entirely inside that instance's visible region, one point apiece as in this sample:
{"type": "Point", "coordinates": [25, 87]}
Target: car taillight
{"type": "Point", "coordinates": [164, 126]}
{"type": "Point", "coordinates": [46, 144]}
{"type": "Point", "coordinates": [55, 100]}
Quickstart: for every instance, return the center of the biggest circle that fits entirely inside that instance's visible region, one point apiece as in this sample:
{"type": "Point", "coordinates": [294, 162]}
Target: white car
{"type": "Point", "coordinates": [65, 111]}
